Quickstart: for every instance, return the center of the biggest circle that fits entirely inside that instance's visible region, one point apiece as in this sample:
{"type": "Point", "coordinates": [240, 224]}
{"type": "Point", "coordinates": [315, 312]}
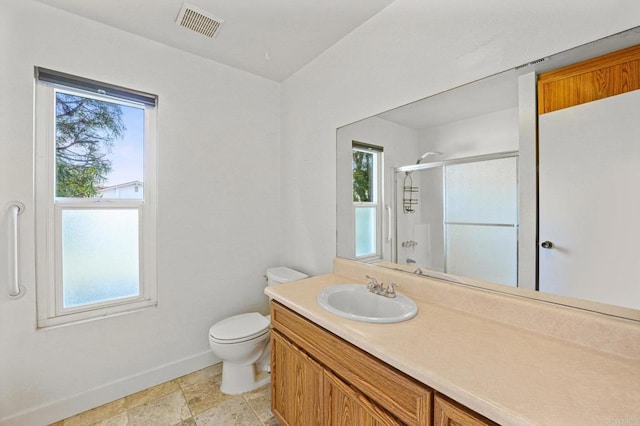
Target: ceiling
{"type": "Point", "coordinates": [269, 38]}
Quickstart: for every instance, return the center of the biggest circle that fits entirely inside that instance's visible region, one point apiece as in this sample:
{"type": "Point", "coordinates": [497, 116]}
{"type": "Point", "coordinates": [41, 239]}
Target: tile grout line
{"type": "Point", "coordinates": [191, 416]}
{"type": "Point", "coordinates": [252, 409]}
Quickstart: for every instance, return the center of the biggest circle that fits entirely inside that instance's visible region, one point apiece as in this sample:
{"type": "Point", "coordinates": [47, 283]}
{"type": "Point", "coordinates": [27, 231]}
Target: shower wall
{"type": "Point", "coordinates": [420, 234]}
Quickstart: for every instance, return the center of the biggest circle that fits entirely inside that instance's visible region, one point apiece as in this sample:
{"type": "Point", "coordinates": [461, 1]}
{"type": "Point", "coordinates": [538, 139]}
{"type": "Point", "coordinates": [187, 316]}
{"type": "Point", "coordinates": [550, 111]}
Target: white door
{"type": "Point", "coordinates": [589, 194]}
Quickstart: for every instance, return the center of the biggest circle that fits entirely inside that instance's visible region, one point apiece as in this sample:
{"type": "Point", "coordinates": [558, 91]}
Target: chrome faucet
{"type": "Point", "coordinates": [378, 288]}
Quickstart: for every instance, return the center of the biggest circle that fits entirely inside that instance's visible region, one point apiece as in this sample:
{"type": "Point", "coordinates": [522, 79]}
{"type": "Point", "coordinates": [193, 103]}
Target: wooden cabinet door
{"type": "Point", "coordinates": [383, 385]}
{"type": "Point", "coordinates": [449, 413]}
{"type": "Point", "coordinates": [296, 385]}
{"type": "Point", "coordinates": [345, 406]}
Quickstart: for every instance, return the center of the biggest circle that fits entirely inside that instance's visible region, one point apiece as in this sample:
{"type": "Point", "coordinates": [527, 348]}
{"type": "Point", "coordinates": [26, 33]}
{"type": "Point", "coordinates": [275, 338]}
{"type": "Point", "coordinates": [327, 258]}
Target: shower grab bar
{"type": "Point", "coordinates": [15, 289]}
{"type": "Point", "coordinates": [388, 207]}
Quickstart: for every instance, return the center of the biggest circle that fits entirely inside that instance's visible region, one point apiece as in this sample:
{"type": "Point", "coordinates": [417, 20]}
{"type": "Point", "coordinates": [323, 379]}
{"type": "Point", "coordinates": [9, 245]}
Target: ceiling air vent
{"type": "Point", "coordinates": [198, 20]}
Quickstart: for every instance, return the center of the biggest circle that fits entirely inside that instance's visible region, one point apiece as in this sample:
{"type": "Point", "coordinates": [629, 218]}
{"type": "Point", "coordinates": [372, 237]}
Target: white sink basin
{"type": "Point", "coordinates": [356, 302]}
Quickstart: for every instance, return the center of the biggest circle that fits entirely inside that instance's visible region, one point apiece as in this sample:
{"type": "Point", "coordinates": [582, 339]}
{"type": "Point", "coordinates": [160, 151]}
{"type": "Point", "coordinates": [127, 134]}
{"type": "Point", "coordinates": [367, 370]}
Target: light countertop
{"type": "Point", "coordinates": [510, 375]}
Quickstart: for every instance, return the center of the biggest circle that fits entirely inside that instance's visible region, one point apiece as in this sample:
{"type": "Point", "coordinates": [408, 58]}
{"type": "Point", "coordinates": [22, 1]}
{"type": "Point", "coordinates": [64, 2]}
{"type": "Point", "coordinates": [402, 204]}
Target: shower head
{"type": "Point", "coordinates": [426, 154]}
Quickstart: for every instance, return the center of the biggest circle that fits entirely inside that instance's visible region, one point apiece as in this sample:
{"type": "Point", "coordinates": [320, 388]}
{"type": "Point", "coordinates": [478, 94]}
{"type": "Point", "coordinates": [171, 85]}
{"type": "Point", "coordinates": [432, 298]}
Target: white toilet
{"type": "Point", "coordinates": [241, 341]}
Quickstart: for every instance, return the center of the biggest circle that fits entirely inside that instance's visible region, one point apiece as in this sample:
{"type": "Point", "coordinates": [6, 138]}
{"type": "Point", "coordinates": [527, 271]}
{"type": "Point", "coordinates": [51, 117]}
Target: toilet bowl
{"type": "Point", "coordinates": [241, 342]}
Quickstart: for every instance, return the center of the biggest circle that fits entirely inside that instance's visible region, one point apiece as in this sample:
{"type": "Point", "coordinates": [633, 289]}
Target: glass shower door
{"type": "Point", "coordinates": [481, 220]}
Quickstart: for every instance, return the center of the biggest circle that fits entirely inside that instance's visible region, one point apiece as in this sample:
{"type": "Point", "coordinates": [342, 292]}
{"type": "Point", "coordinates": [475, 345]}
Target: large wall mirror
{"type": "Point", "coordinates": [480, 185]}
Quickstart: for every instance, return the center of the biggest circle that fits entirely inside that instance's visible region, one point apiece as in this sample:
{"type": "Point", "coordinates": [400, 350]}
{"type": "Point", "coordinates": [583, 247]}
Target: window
{"type": "Point", "coordinates": [95, 199]}
{"type": "Point", "coordinates": [366, 166]}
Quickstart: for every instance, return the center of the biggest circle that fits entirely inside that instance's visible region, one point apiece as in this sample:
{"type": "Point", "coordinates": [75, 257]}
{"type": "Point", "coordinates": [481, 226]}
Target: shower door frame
{"type": "Point", "coordinates": [431, 165]}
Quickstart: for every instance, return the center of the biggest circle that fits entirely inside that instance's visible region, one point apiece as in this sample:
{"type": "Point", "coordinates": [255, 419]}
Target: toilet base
{"type": "Point", "coordinates": [238, 379]}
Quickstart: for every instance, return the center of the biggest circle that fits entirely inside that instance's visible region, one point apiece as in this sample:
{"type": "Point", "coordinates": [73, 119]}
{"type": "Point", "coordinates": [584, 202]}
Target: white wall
{"type": "Point", "coordinates": [410, 50]}
{"type": "Point", "coordinates": [484, 134]}
{"type": "Point", "coordinates": [218, 218]}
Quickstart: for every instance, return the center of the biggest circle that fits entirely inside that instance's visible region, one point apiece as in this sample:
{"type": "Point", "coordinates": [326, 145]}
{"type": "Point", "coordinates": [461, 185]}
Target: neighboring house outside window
{"type": "Point", "coordinates": [366, 164]}
{"type": "Point", "coordinates": [95, 199]}
{"type": "Point", "coordinates": [123, 190]}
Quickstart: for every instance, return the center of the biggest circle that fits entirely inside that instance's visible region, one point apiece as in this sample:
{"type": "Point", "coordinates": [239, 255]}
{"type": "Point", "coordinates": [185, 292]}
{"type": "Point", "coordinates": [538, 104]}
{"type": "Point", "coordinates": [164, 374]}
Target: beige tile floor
{"type": "Point", "coordinates": [194, 399]}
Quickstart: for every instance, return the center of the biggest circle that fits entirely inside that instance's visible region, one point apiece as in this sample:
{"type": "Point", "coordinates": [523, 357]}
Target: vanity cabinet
{"type": "Point", "coordinates": [304, 393]}
{"type": "Point", "coordinates": [318, 378]}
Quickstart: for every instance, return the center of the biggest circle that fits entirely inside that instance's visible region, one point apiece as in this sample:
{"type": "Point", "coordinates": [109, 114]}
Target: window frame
{"type": "Point", "coordinates": [377, 204]}
{"type": "Point", "coordinates": [49, 208]}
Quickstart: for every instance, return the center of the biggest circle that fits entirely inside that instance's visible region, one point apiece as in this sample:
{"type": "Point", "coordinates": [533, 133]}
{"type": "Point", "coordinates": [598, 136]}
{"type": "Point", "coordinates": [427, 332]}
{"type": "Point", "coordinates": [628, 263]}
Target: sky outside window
{"type": "Point", "coordinates": [127, 156]}
{"type": "Point", "coordinates": [99, 144]}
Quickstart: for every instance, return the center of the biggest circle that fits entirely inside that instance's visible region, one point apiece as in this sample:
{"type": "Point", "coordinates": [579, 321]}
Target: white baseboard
{"type": "Point", "coordinates": [61, 409]}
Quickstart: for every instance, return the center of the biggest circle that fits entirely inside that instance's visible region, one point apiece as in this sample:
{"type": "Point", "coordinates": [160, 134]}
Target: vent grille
{"type": "Point", "coordinates": [198, 20]}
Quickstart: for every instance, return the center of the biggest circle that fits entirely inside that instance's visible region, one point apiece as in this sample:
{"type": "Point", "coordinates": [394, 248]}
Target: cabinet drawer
{"type": "Point", "coordinates": [393, 390]}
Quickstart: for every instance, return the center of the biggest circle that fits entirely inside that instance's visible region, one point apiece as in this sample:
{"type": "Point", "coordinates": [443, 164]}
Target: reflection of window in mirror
{"type": "Point", "coordinates": [366, 164]}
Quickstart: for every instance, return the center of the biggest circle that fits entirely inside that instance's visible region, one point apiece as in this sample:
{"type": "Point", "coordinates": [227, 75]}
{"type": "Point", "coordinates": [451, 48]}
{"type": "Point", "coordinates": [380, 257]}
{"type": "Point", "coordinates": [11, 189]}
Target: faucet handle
{"type": "Point", "coordinates": [372, 282]}
{"type": "Point", "coordinates": [391, 290]}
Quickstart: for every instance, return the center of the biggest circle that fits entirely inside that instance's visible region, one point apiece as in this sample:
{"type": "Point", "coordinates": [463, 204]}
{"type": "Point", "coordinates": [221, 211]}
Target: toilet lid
{"type": "Point", "coordinates": [243, 326]}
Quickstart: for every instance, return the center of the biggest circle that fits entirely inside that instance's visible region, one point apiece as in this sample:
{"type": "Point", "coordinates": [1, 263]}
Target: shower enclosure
{"type": "Point", "coordinates": [463, 216]}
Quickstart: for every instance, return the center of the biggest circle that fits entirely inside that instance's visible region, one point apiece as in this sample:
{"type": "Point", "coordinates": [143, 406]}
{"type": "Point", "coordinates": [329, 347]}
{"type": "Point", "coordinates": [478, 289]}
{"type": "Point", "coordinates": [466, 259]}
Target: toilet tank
{"type": "Point", "coordinates": [282, 274]}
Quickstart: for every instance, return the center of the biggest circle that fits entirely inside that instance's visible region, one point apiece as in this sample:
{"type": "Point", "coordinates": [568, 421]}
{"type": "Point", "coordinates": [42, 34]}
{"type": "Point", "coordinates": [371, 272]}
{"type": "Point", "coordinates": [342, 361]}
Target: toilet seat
{"type": "Point", "coordinates": [239, 328]}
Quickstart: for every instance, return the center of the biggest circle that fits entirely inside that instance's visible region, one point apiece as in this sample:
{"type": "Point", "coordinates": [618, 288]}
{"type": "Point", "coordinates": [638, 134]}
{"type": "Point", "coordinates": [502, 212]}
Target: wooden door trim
{"type": "Point", "coordinates": [597, 78]}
